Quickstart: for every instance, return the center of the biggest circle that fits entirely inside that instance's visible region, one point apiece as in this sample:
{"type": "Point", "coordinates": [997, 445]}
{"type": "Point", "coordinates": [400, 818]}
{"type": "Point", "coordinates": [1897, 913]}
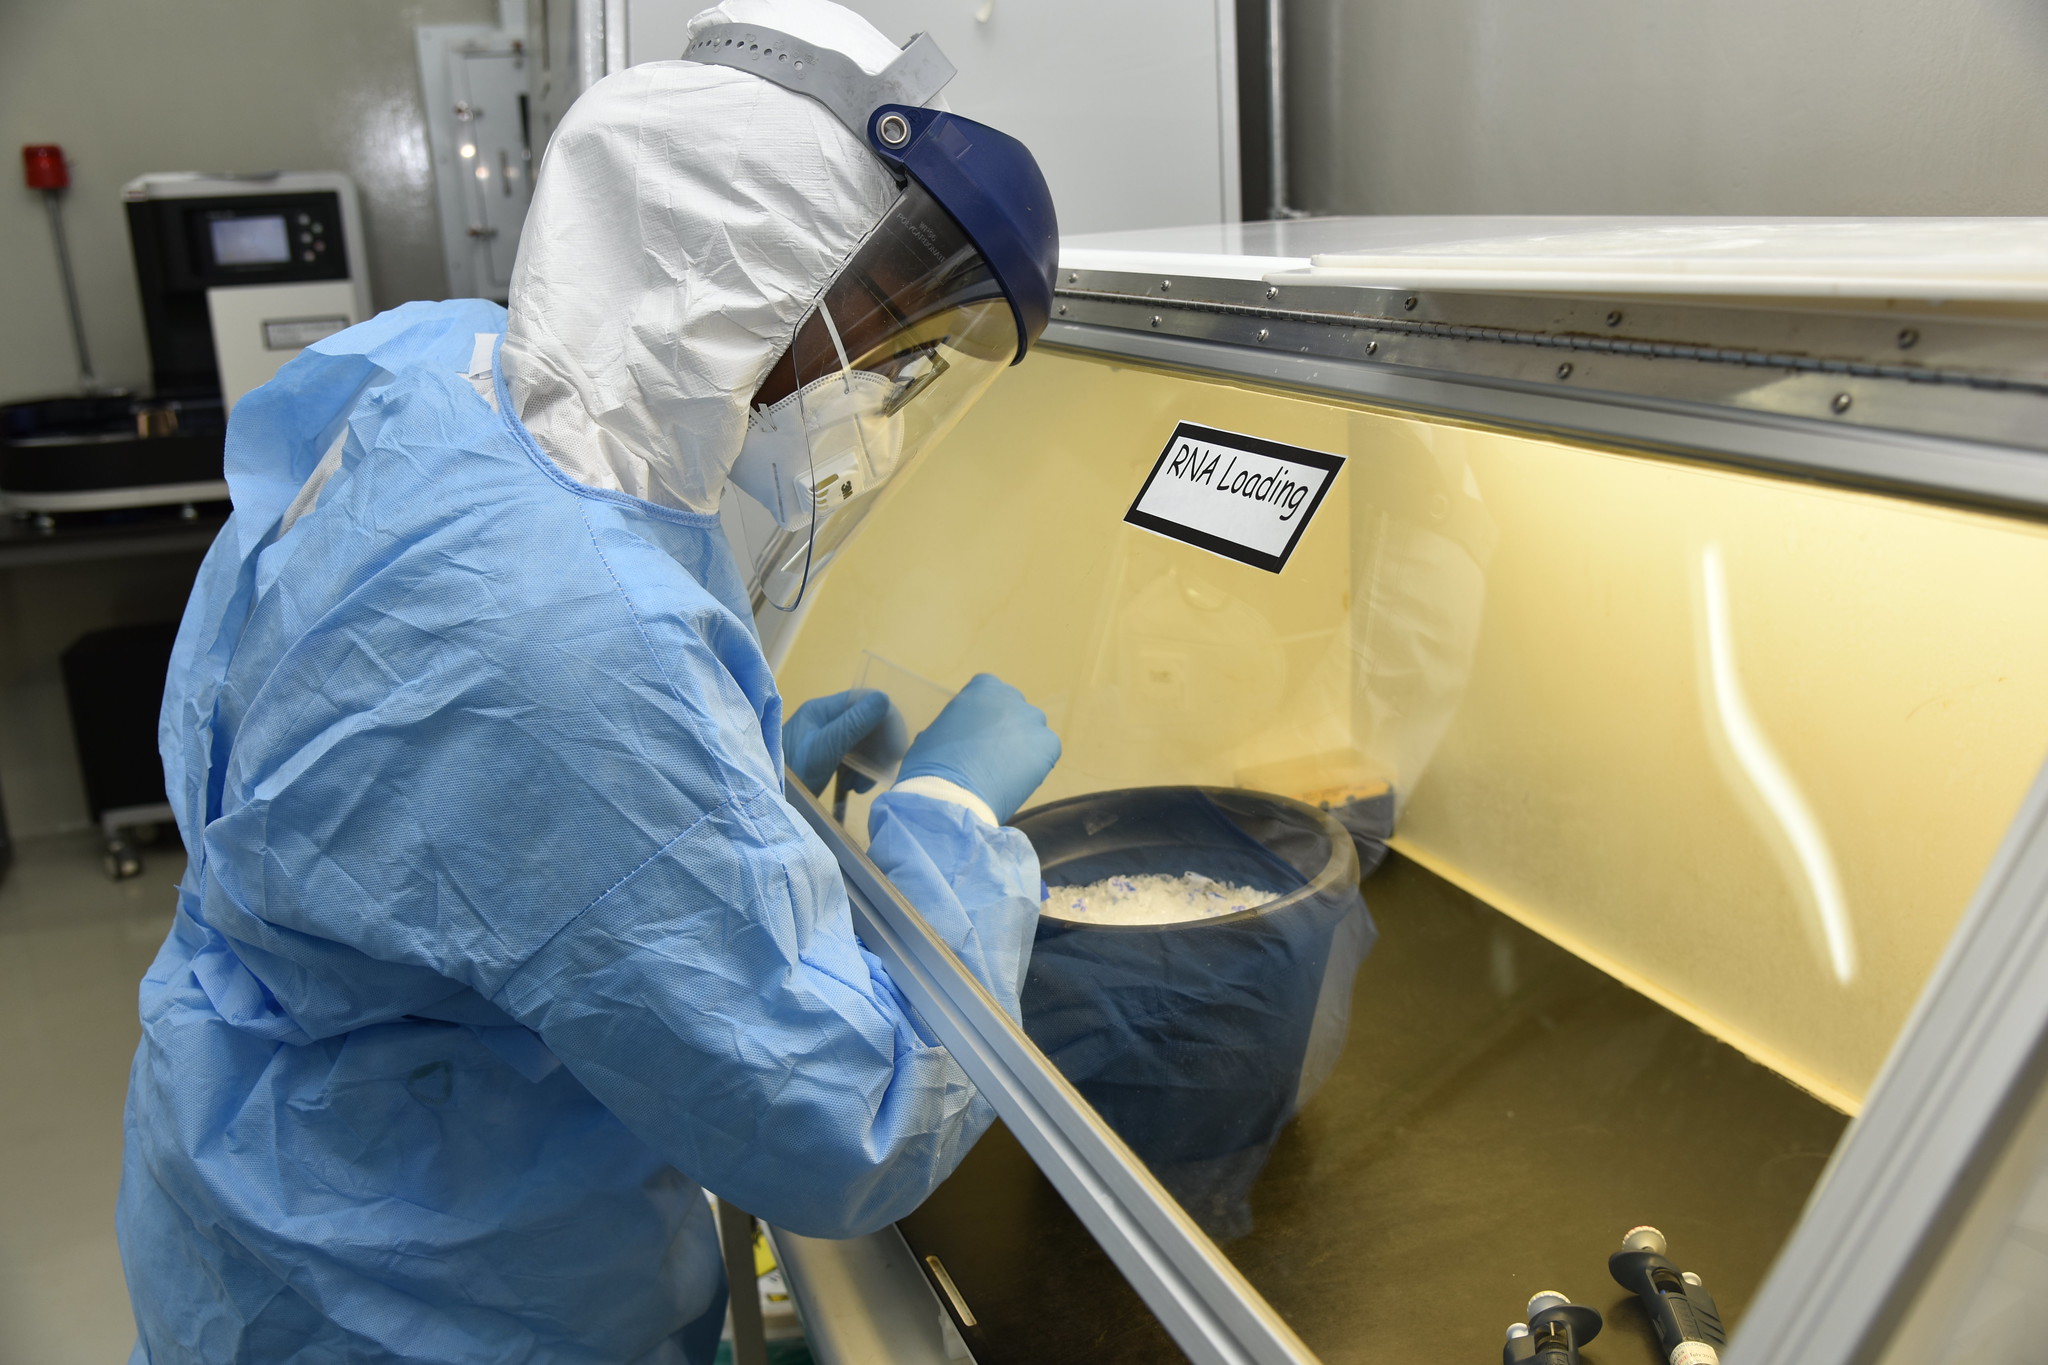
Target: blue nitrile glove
{"type": "Point", "coordinates": [988, 740]}
{"type": "Point", "coordinates": [824, 728]}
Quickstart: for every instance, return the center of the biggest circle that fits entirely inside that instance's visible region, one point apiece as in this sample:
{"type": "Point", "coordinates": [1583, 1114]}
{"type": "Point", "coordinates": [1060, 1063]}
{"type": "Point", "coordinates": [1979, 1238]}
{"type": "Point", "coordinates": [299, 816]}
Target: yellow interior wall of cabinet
{"type": "Point", "coordinates": [1747, 743]}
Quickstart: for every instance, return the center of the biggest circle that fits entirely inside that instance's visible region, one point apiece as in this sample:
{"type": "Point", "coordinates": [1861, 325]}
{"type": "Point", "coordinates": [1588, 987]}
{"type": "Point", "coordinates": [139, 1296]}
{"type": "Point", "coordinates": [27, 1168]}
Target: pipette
{"type": "Point", "coordinates": [1687, 1321]}
{"type": "Point", "coordinates": [1556, 1329]}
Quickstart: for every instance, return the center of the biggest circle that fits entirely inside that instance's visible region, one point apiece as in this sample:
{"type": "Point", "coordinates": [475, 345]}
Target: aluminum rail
{"type": "Point", "coordinates": [1969, 473]}
{"type": "Point", "coordinates": [866, 1301]}
{"type": "Point", "coordinates": [1210, 1310]}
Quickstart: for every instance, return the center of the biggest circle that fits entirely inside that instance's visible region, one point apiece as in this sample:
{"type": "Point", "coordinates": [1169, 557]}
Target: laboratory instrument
{"type": "Point", "coordinates": [109, 452]}
{"type": "Point", "coordinates": [98, 449]}
{"type": "Point", "coordinates": [239, 273]}
{"type": "Point", "coordinates": [1677, 1303]}
{"type": "Point", "coordinates": [1555, 1331]}
{"type": "Point", "coordinates": [1658, 548]}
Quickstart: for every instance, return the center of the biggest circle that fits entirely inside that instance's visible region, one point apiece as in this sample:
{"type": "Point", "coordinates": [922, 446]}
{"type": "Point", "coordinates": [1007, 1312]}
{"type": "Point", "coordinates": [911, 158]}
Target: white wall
{"type": "Point", "coordinates": [1670, 106]}
{"type": "Point", "coordinates": [239, 85]}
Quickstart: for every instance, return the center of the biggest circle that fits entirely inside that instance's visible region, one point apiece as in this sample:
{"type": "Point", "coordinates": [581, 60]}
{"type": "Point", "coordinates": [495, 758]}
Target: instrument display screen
{"type": "Point", "coordinates": [250, 241]}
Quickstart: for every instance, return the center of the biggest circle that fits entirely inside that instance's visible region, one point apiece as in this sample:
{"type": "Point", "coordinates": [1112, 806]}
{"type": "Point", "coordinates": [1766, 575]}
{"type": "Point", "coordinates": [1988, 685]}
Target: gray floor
{"type": "Point", "coordinates": [73, 945]}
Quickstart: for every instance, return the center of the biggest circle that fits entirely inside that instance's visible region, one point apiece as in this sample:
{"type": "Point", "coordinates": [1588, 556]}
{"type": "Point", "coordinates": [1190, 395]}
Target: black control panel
{"type": "Point", "coordinates": [183, 247]}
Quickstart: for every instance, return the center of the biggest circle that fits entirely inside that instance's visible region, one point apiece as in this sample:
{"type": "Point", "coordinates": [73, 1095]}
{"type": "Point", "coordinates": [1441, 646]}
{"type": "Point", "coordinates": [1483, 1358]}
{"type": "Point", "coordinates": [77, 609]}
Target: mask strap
{"type": "Point", "coordinates": [845, 365]}
{"type": "Point", "coordinates": [846, 378]}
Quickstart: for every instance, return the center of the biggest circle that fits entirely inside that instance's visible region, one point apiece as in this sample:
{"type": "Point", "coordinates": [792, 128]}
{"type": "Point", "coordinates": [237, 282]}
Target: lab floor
{"type": "Point", "coordinates": [73, 945]}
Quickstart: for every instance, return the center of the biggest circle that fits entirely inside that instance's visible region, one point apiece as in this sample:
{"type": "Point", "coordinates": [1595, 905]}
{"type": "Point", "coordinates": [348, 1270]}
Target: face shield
{"type": "Point", "coordinates": [912, 331]}
{"type": "Point", "coordinates": [952, 285]}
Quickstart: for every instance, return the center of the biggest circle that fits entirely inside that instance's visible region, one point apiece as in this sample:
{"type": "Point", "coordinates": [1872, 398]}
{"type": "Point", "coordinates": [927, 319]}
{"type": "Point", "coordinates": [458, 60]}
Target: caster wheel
{"type": "Point", "coordinates": [121, 862]}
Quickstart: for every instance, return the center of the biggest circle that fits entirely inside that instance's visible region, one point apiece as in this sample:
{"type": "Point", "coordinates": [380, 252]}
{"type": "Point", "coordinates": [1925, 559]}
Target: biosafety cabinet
{"type": "Point", "coordinates": [1665, 622]}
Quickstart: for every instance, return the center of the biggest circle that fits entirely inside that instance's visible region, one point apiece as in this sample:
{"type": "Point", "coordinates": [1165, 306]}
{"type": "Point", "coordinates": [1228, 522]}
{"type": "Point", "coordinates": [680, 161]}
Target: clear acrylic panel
{"type": "Point", "coordinates": [914, 702]}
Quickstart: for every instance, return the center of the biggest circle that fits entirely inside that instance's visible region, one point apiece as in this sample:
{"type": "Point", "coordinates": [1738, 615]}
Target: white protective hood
{"type": "Point", "coordinates": [685, 219]}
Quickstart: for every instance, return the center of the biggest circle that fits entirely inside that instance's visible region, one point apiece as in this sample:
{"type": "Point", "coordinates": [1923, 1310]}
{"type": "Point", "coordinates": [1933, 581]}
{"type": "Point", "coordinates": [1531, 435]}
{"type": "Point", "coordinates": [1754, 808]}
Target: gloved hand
{"type": "Point", "coordinates": [990, 741]}
{"type": "Point", "coordinates": [825, 728]}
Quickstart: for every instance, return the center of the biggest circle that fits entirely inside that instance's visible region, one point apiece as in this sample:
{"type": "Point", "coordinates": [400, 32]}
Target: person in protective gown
{"type": "Point", "coordinates": [498, 942]}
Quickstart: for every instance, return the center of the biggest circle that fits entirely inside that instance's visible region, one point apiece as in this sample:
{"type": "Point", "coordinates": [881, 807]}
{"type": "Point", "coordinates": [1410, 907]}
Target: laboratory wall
{"type": "Point", "coordinates": [1622, 106]}
{"type": "Point", "coordinates": [221, 85]}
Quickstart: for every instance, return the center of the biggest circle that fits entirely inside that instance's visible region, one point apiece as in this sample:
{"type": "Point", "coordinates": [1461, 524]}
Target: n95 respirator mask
{"type": "Point", "coordinates": [821, 447]}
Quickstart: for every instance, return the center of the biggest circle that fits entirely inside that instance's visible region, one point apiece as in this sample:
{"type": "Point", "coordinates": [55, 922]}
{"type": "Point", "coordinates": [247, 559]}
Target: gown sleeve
{"type": "Point", "coordinates": [717, 1001]}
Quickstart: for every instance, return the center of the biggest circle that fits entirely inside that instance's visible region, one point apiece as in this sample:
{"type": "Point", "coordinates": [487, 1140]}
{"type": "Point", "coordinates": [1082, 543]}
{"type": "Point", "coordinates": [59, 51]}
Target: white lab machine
{"type": "Point", "coordinates": [239, 273]}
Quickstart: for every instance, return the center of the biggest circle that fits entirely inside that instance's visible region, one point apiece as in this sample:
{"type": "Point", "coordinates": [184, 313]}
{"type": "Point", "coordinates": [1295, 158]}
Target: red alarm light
{"type": "Point", "coordinates": [42, 165]}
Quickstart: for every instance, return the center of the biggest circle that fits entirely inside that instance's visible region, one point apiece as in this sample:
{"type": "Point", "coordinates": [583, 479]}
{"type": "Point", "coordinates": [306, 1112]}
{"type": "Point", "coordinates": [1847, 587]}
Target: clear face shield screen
{"type": "Point", "coordinates": [948, 289]}
{"type": "Point", "coordinates": [906, 339]}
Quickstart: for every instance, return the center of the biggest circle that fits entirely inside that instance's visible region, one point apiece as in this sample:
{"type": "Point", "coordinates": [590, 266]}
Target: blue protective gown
{"type": "Point", "coordinates": [497, 938]}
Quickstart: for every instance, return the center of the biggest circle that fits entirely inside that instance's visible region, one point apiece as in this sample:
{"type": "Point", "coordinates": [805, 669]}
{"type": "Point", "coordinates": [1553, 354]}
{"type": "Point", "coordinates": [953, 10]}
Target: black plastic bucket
{"type": "Point", "coordinates": [1198, 1040]}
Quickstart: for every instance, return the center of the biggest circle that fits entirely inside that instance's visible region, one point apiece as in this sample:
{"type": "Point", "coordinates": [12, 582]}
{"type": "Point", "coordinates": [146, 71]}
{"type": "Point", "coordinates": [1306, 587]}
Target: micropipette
{"type": "Point", "coordinates": [1556, 1329]}
{"type": "Point", "coordinates": [1687, 1321]}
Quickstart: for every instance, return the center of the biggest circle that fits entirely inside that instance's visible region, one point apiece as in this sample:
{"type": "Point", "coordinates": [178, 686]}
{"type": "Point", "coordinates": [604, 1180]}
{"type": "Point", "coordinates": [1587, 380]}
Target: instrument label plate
{"type": "Point", "coordinates": [1243, 497]}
